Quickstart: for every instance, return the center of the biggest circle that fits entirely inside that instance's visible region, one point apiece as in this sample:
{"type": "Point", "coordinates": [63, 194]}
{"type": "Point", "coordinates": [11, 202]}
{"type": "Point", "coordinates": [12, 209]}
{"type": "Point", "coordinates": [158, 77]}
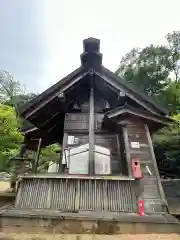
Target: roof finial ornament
{"type": "Point", "coordinates": [91, 57]}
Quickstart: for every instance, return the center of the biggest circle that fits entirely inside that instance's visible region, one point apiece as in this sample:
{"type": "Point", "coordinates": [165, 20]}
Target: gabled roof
{"type": "Point", "coordinates": [91, 64]}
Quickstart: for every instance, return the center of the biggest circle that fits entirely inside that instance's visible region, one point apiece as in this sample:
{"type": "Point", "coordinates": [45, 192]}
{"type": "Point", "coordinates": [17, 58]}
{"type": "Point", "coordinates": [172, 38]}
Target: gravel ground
{"type": "Point", "coordinates": [91, 237]}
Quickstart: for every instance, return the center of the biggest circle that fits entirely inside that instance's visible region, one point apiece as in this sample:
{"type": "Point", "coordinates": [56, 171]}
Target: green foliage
{"type": "Point", "coordinates": [49, 154]}
{"type": "Point", "coordinates": [174, 46]}
{"type": "Point", "coordinates": [12, 96]}
{"type": "Point", "coordinates": [147, 68]}
{"type": "Point", "coordinates": [166, 144]}
{"type": "Point", "coordinates": [9, 89]}
{"type": "Point", "coordinates": [170, 97]}
{"type": "Point", "coordinates": [10, 135]}
{"type": "Point", "coordinates": [20, 99]}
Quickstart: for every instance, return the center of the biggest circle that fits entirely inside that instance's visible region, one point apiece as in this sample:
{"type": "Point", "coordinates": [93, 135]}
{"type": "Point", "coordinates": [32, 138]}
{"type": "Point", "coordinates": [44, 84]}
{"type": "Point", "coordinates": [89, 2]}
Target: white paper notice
{"type": "Point", "coordinates": [70, 140]}
{"type": "Point", "coordinates": [135, 145]}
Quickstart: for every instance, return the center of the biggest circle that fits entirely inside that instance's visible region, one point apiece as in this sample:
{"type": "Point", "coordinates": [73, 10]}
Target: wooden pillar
{"type": "Point", "coordinates": [127, 149]}
{"type": "Point", "coordinates": [60, 170]}
{"type": "Point", "coordinates": [65, 139]}
{"type": "Point", "coordinates": [91, 129]}
{"type": "Point", "coordinates": [119, 152]}
{"type": "Point", "coordinates": [37, 154]}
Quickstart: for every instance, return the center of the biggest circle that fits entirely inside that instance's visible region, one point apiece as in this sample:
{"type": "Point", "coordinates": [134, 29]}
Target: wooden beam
{"type": "Point", "coordinates": [161, 190]}
{"type": "Point", "coordinates": [29, 130]}
{"type": "Point", "coordinates": [91, 129]}
{"type": "Point", "coordinates": [99, 84]}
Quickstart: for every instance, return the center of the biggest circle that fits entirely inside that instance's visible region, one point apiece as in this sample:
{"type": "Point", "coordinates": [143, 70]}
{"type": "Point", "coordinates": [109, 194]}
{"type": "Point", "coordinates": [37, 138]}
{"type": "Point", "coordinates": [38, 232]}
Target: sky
{"type": "Point", "coordinates": [41, 40]}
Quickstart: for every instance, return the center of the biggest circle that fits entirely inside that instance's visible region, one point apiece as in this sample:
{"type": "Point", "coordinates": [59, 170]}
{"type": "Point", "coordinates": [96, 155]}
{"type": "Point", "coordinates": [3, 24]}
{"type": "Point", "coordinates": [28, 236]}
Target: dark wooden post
{"type": "Point", "coordinates": [119, 152]}
{"type": "Point", "coordinates": [60, 170]}
{"type": "Point", "coordinates": [65, 139]}
{"type": "Point", "coordinates": [91, 129]}
{"type": "Point", "coordinates": [37, 154]}
{"type": "Point", "coordinates": [127, 149]}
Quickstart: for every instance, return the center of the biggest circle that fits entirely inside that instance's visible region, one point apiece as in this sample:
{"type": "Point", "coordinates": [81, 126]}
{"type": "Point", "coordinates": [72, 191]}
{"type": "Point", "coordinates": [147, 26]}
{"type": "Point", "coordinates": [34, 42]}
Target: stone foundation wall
{"type": "Point", "coordinates": [65, 226]}
{"type": "Point", "coordinates": [25, 236]}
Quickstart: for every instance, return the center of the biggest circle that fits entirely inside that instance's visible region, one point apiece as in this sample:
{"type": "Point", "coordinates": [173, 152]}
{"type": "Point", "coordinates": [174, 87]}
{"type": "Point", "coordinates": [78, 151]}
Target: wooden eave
{"type": "Point", "coordinates": [120, 112]}
{"type": "Point", "coordinates": [48, 124]}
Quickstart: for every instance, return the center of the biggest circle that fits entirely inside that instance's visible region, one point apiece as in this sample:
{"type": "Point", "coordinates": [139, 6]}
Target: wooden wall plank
{"type": "Point", "coordinates": [156, 168]}
{"type": "Point", "coordinates": [148, 188]}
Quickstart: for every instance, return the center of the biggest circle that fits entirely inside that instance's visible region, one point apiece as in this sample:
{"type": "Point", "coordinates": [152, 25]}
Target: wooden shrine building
{"type": "Point", "coordinates": [104, 128]}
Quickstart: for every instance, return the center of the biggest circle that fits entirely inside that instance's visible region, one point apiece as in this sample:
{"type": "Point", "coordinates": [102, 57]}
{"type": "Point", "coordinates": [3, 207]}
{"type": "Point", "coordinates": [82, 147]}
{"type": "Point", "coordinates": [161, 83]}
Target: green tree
{"type": "Point", "coordinates": [170, 97]}
{"type": "Point", "coordinates": [174, 46]}
{"type": "Point", "coordinates": [147, 68]}
{"type": "Point", "coordinates": [12, 92]}
{"type": "Point", "coordinates": [9, 89]}
{"type": "Point", "coordinates": [10, 135]}
{"type": "Point", "coordinates": [20, 99]}
{"type": "Point", "coordinates": [166, 144]}
{"type": "Point", "coordinates": [12, 97]}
